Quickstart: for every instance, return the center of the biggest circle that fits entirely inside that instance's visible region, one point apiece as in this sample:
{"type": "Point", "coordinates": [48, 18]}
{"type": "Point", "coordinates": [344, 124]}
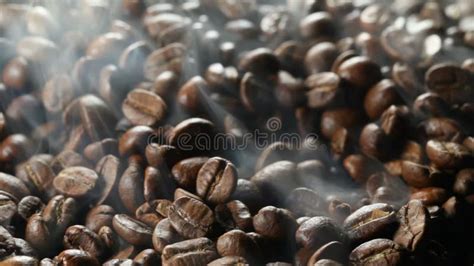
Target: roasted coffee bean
{"type": "Point", "coordinates": [106, 46]}
{"type": "Point", "coordinates": [378, 251]}
{"type": "Point", "coordinates": [449, 81]}
{"type": "Point", "coordinates": [430, 104]}
{"type": "Point", "coordinates": [275, 180]}
{"type": "Point", "coordinates": [29, 205]}
{"type": "Point", "coordinates": [260, 61]}
{"type": "Point", "coordinates": [447, 155]}
{"type": "Point", "coordinates": [134, 140]}
{"type": "Point", "coordinates": [57, 93]}
{"type": "Point", "coordinates": [157, 185]}
{"type": "Point", "coordinates": [79, 237]}
{"type": "Point", "coordinates": [185, 172]}
{"type": "Point", "coordinates": [148, 257]}
{"type": "Point", "coordinates": [178, 193]}
{"type": "Point", "coordinates": [133, 56]}
{"type": "Point", "coordinates": [108, 169]}
{"type": "Point", "coordinates": [374, 142]}
{"type": "Point", "coordinates": [249, 194]}
{"type": "Point", "coordinates": [430, 195]}
{"type": "Point", "coordinates": [168, 58]}
{"type": "Point", "coordinates": [333, 250]}
{"type": "Point", "coordinates": [338, 210]}
{"type": "Point", "coordinates": [317, 232]}
{"type": "Point", "coordinates": [109, 238]}
{"type": "Point", "coordinates": [39, 236]}
{"type": "Point", "coordinates": [379, 97]}
{"type": "Point", "coordinates": [233, 215]}
{"type": "Point", "coordinates": [359, 167]}
{"type": "Point", "coordinates": [341, 143]}
{"type": "Point", "coordinates": [76, 181]}
{"type": "Point", "coordinates": [15, 148]}
{"type": "Point", "coordinates": [133, 231]}
{"type": "Point", "coordinates": [142, 107]}
{"type": "Point", "coordinates": [192, 95]}
{"type": "Point", "coordinates": [164, 235]}
{"type": "Point", "coordinates": [60, 213]}
{"type": "Point", "coordinates": [161, 155]}
{"type": "Point", "coordinates": [320, 57]}
{"type": "Point", "coordinates": [8, 209]}
{"type": "Point", "coordinates": [151, 213]}
{"type": "Point", "coordinates": [67, 159]}
{"type": "Point", "coordinates": [372, 221]}
{"type": "Point", "coordinates": [324, 89]}
{"type": "Point", "coordinates": [395, 121]}
{"type": "Point", "coordinates": [237, 243]}
{"type": "Point", "coordinates": [38, 175]}
{"type": "Point", "coordinates": [442, 129]}
{"type": "Point", "coordinates": [360, 73]}
{"type": "Point", "coordinates": [20, 260]}
{"type": "Point", "coordinates": [190, 217]}
{"type": "Point", "coordinates": [75, 257]}
{"type": "Point", "coordinates": [334, 119]}
{"type": "Point", "coordinates": [228, 260]}
{"type": "Point", "coordinates": [464, 184]}
{"type": "Point", "coordinates": [131, 186]}
{"type": "Point", "coordinates": [274, 223]}
{"type": "Point", "coordinates": [199, 251]}
{"type": "Point", "coordinates": [96, 150]}
{"type": "Point", "coordinates": [99, 216]}
{"type": "Point", "coordinates": [256, 93]}
{"type": "Point", "coordinates": [413, 229]}
{"type": "Point", "coordinates": [305, 202]}
{"type": "Point", "coordinates": [16, 73]}
{"type": "Point", "coordinates": [216, 180]}
{"type": "Point", "coordinates": [13, 186]}
{"type": "Point", "coordinates": [419, 176]}
{"type": "Point", "coordinates": [165, 85]}
{"type": "Point", "coordinates": [317, 25]}
{"type": "Point", "coordinates": [183, 136]}
{"type": "Point", "coordinates": [120, 262]}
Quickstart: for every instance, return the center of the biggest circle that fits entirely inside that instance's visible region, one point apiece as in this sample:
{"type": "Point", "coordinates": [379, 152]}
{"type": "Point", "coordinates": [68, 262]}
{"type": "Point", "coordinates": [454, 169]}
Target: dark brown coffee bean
{"type": "Point", "coordinates": [370, 252]}
{"type": "Point", "coordinates": [156, 185]}
{"type": "Point", "coordinates": [332, 120]}
{"type": "Point", "coordinates": [447, 155]}
{"type": "Point", "coordinates": [228, 260]}
{"type": "Point", "coordinates": [106, 46]}
{"type": "Point", "coordinates": [449, 81]}
{"type": "Point", "coordinates": [96, 150]}
{"type": "Point", "coordinates": [39, 236]}
{"type": "Point", "coordinates": [469, 143]}
{"type": "Point", "coordinates": [57, 93]}
{"type": "Point", "coordinates": [333, 250]}
{"type": "Point", "coordinates": [162, 155]}
{"type": "Point", "coordinates": [380, 97]}
{"type": "Point", "coordinates": [178, 193]}
{"type": "Point", "coordinates": [360, 73]}
{"type": "Point", "coordinates": [164, 235]}
{"type": "Point", "coordinates": [68, 159]}
{"type": "Point", "coordinates": [216, 180]}
{"type": "Point", "coordinates": [190, 217]}
{"type": "Point", "coordinates": [199, 251]}
{"type": "Point", "coordinates": [185, 172]}
{"type": "Point", "coordinates": [80, 237]}
{"type": "Point", "coordinates": [233, 215]}
{"type": "Point", "coordinates": [400, 45]}
{"type": "Point", "coordinates": [256, 93]}
{"type": "Point", "coordinates": [109, 238]}
{"type": "Point", "coordinates": [419, 176]}
{"type": "Point", "coordinates": [148, 257]}
{"type": "Point", "coordinates": [20, 260]}
{"type": "Point", "coordinates": [142, 107]}
{"type": "Point", "coordinates": [192, 95]}
{"type": "Point", "coordinates": [151, 213]}
{"type": "Point", "coordinates": [276, 180]}
{"type": "Point", "coordinates": [29, 205]}
{"type": "Point", "coordinates": [99, 216]}
{"type": "Point", "coordinates": [15, 148]}
{"type": "Point", "coordinates": [430, 196]}
{"type": "Point", "coordinates": [60, 213]}
{"type": "Point", "coordinates": [324, 89]}
{"type": "Point", "coordinates": [290, 92]}
{"type": "Point", "coordinates": [135, 140]}
{"type": "Point", "coordinates": [260, 62]}
{"type": "Point", "coordinates": [131, 187]}
{"type": "Point", "coordinates": [165, 85]}
{"type": "Point", "coordinates": [442, 129]}
{"type": "Point", "coordinates": [120, 262]}
{"type": "Point", "coordinates": [318, 231]}
{"type": "Point", "coordinates": [414, 218]}
{"type": "Point", "coordinates": [16, 74]}
{"type": "Point", "coordinates": [75, 257]}
{"type": "Point", "coordinates": [248, 193]}
{"type": "Point", "coordinates": [317, 25]}
{"type": "Point", "coordinates": [372, 221]}
{"type": "Point", "coordinates": [133, 231]}
{"type": "Point", "coordinates": [305, 202]}
{"type": "Point", "coordinates": [275, 223]}
{"type": "Point", "coordinates": [13, 186]}
{"type": "Point", "coordinates": [8, 209]}
{"type": "Point", "coordinates": [291, 56]}
{"type": "Point", "coordinates": [38, 175]}
{"type": "Point", "coordinates": [374, 142]}
{"type": "Point", "coordinates": [76, 181]}
{"type": "Point", "coordinates": [359, 167]}
{"type": "Point", "coordinates": [168, 58]}
{"type": "Point", "coordinates": [320, 57]}
{"type": "Point", "coordinates": [133, 56]}
{"type": "Point", "coordinates": [464, 184]}
{"type": "Point", "coordinates": [338, 210]}
{"type": "Point", "coordinates": [395, 121]}
{"type": "Point", "coordinates": [237, 243]}
{"type": "Point", "coordinates": [430, 104]}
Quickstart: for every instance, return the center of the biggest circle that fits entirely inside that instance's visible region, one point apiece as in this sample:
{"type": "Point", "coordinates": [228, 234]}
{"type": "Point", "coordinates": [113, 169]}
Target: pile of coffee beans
{"type": "Point", "coordinates": [119, 119]}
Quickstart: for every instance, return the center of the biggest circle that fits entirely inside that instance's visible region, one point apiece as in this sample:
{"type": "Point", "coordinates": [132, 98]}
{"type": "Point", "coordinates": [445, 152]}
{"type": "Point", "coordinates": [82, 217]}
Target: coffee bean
{"type": "Point", "coordinates": [333, 250]}
{"type": "Point", "coordinates": [237, 243]}
{"type": "Point", "coordinates": [359, 167]}
{"type": "Point", "coordinates": [179, 192]}
{"type": "Point", "coordinates": [16, 73]}
{"type": "Point", "coordinates": [379, 97]}
{"type": "Point", "coordinates": [430, 104]}
{"type": "Point", "coordinates": [142, 107]}
{"type": "Point", "coordinates": [317, 25]}
{"type": "Point", "coordinates": [96, 150]}
{"type": "Point", "coordinates": [327, 262]}
{"type": "Point", "coordinates": [148, 257]}
{"type": "Point", "coordinates": [360, 73]}
{"type": "Point", "coordinates": [374, 142]}
{"type": "Point", "coordinates": [317, 232]}
{"type": "Point", "coordinates": [59, 214]}
{"type": "Point", "coordinates": [120, 262]}
{"type": "Point", "coordinates": [233, 215]}
{"type": "Point", "coordinates": [197, 251]}
{"type": "Point", "coordinates": [190, 217]}
{"type": "Point", "coordinates": [185, 134]}
{"type": "Point", "coordinates": [99, 216]}
{"type": "Point", "coordinates": [131, 187]}
{"type": "Point", "coordinates": [464, 184]}
{"type": "Point", "coordinates": [324, 89]}
{"type": "Point", "coordinates": [165, 85]}
{"type": "Point", "coordinates": [106, 46]}
{"type": "Point", "coordinates": [38, 176]}
{"type": "Point", "coordinates": [76, 181]}
{"type": "Point", "coordinates": [216, 180]}
{"type": "Point", "coordinates": [157, 185]}
{"type": "Point", "coordinates": [185, 172]}
{"type": "Point", "coordinates": [320, 57]}
{"type": "Point", "coordinates": [20, 260]}
{"type": "Point", "coordinates": [395, 121]}
{"type": "Point", "coordinates": [305, 202]}
{"type": "Point", "coordinates": [260, 62]}
{"type": "Point", "coordinates": [274, 223]}
{"type": "Point", "coordinates": [80, 237]}
{"type": "Point", "coordinates": [338, 210]}
{"type": "Point", "coordinates": [151, 213]}
{"type": "Point", "coordinates": [447, 155]}
{"type": "Point", "coordinates": [449, 81]}
{"type": "Point", "coordinates": [168, 58]}
{"type": "Point", "coordinates": [109, 238]}
{"type": "Point", "coordinates": [369, 252]}
{"type": "Point", "coordinates": [75, 257]}
{"type": "Point", "coordinates": [29, 205]}
{"type": "Point", "coordinates": [413, 230]}
{"type": "Point", "coordinates": [256, 93]}
{"type": "Point", "coordinates": [161, 155]}
{"type": "Point", "coordinates": [39, 236]}
{"type": "Point", "coordinates": [442, 129]}
{"type": "Point", "coordinates": [418, 175]}
{"type": "Point", "coordinates": [228, 260]}
{"type": "Point", "coordinates": [68, 159]}
{"type": "Point", "coordinates": [15, 148]}
{"type": "Point", "coordinates": [348, 118]}
{"type": "Point", "coordinates": [430, 195]}
{"type": "Point", "coordinates": [372, 221]}
{"type": "Point", "coordinates": [13, 185]}
{"type": "Point", "coordinates": [249, 194]}
{"type": "Point", "coordinates": [133, 56]}
{"type": "Point", "coordinates": [8, 209]}
{"type": "Point", "coordinates": [164, 235]}
{"type": "Point", "coordinates": [133, 231]}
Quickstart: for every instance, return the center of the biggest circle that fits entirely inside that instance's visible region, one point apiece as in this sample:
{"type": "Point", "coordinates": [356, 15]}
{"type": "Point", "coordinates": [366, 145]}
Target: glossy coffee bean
{"type": "Point", "coordinates": [464, 183]}
{"type": "Point", "coordinates": [216, 180]}
{"type": "Point", "coordinates": [368, 252]}
{"type": "Point", "coordinates": [75, 257]}
{"type": "Point", "coordinates": [131, 187]}
{"type": "Point", "coordinates": [29, 205]}
{"type": "Point", "coordinates": [320, 57]}
{"type": "Point", "coordinates": [324, 89]}
{"type": "Point", "coordinates": [76, 181]}
{"type": "Point", "coordinates": [249, 194]}
{"type": "Point", "coordinates": [135, 140]}
{"type": "Point", "coordinates": [441, 128]}
{"type": "Point", "coordinates": [317, 25]}
{"type": "Point", "coordinates": [414, 222]}
{"type": "Point", "coordinates": [142, 107]}
{"type": "Point", "coordinates": [190, 217]}
{"type": "Point", "coordinates": [374, 142]}
{"type": "Point", "coordinates": [185, 172]}
{"type": "Point", "coordinates": [133, 231]}
{"type": "Point", "coordinates": [447, 155]}
{"type": "Point", "coordinates": [233, 215]}
{"type": "Point", "coordinates": [317, 232]}
{"type": "Point", "coordinates": [13, 186]}
{"type": "Point", "coordinates": [79, 237]}
{"type": "Point", "coordinates": [274, 223]}
{"type": "Point", "coordinates": [98, 217]}
{"type": "Point", "coordinates": [448, 81]}
{"type": "Point", "coordinates": [360, 73]}
{"type": "Point", "coordinates": [168, 58]}
{"type": "Point", "coordinates": [260, 61]}
{"type": "Point", "coordinates": [418, 175]}
{"type": "Point", "coordinates": [430, 195]}
{"type": "Point", "coordinates": [148, 257]}
{"type": "Point", "coordinates": [8, 209]}
{"type": "Point", "coordinates": [237, 243]}
{"type": "Point", "coordinates": [305, 202]}
{"type": "Point", "coordinates": [164, 235]}
{"type": "Point", "coordinates": [333, 250]}
{"type": "Point", "coordinates": [198, 251]}
{"type": "Point", "coordinates": [348, 118]}
{"type": "Point", "coordinates": [379, 97]}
